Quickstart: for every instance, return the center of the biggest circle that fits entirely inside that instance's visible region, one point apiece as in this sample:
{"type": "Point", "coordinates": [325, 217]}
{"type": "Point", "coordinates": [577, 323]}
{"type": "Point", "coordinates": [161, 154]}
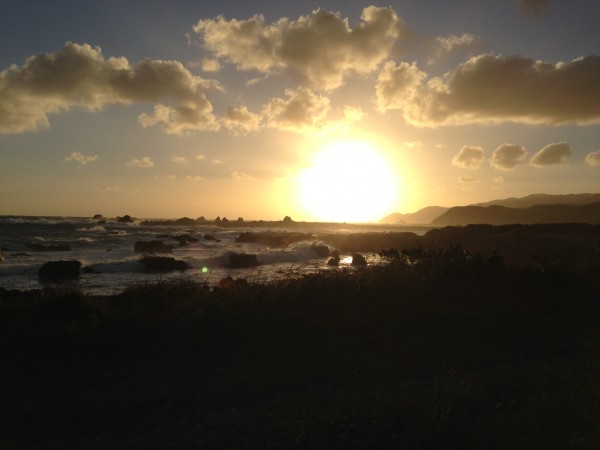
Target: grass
{"type": "Point", "coordinates": [438, 349]}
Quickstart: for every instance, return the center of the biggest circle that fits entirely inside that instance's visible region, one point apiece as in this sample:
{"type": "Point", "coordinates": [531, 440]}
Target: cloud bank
{"type": "Point", "coordinates": [79, 76]}
{"type": "Point", "coordinates": [492, 88]}
{"type": "Point", "coordinates": [80, 158]}
{"type": "Point", "coordinates": [320, 49]}
{"type": "Point", "coordinates": [145, 162]}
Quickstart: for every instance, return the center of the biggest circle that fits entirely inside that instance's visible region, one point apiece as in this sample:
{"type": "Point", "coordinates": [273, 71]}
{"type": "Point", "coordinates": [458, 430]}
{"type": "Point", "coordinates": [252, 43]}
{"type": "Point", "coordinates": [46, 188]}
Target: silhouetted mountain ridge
{"type": "Point", "coordinates": [502, 215]}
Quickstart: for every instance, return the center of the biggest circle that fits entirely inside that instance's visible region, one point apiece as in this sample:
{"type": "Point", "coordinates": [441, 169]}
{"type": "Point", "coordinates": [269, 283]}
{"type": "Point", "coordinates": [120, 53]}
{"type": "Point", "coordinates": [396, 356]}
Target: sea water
{"type": "Point", "coordinates": [106, 252]}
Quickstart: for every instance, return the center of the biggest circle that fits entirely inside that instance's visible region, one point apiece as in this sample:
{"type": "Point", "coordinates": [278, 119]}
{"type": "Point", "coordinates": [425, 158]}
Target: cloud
{"type": "Point", "coordinates": [534, 8]}
{"type": "Point", "coordinates": [241, 176]}
{"type": "Point", "coordinates": [200, 157]}
{"type": "Point", "coordinates": [447, 46]}
{"type": "Point", "coordinates": [304, 111]}
{"type": "Point", "coordinates": [179, 160]}
{"type": "Point", "coordinates": [146, 161]}
{"type": "Point", "coordinates": [593, 159]}
{"type": "Point", "coordinates": [217, 162]}
{"type": "Point", "coordinates": [551, 154]}
{"type": "Point", "coordinates": [508, 156]}
{"type": "Point", "coordinates": [80, 158]}
{"type": "Point", "coordinates": [492, 88]}
{"type": "Point", "coordinates": [498, 180]}
{"type": "Point", "coordinates": [240, 120]}
{"type": "Point", "coordinates": [465, 179]}
{"type": "Point", "coordinates": [469, 157]}
{"type": "Point", "coordinates": [78, 76]}
{"type": "Point", "coordinates": [109, 188]}
{"type": "Point", "coordinates": [210, 65]}
{"type": "Point", "coordinates": [320, 50]}
{"type": "Point", "coordinates": [194, 178]}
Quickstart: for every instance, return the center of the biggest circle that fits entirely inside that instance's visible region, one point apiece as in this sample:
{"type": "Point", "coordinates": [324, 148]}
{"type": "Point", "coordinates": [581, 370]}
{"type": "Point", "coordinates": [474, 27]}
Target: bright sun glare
{"type": "Point", "coordinates": [349, 181]}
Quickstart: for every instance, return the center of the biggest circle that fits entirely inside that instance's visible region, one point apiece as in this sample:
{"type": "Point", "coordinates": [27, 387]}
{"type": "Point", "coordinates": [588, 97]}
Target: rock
{"type": "Point", "coordinates": [185, 221]}
{"type": "Point", "coordinates": [201, 219]}
{"type": "Point", "coordinates": [208, 237]}
{"type": "Point", "coordinates": [183, 239]}
{"type": "Point", "coordinates": [242, 260]}
{"type": "Point", "coordinates": [125, 219]}
{"type": "Point", "coordinates": [272, 238]}
{"type": "Point", "coordinates": [49, 247]}
{"type": "Point", "coordinates": [358, 260]}
{"type": "Point", "coordinates": [321, 250]}
{"type": "Point", "coordinates": [163, 264]}
{"type": "Point", "coordinates": [287, 219]}
{"type": "Point", "coordinates": [59, 270]}
{"type": "Point", "coordinates": [334, 262]}
{"type": "Point", "coordinates": [226, 283]}
{"type": "Point", "coordinates": [98, 217]}
{"type": "Point", "coordinates": [152, 247]}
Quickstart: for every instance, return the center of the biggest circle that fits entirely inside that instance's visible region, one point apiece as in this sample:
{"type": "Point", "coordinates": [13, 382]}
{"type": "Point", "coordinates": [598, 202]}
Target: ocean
{"type": "Point", "coordinates": [110, 265]}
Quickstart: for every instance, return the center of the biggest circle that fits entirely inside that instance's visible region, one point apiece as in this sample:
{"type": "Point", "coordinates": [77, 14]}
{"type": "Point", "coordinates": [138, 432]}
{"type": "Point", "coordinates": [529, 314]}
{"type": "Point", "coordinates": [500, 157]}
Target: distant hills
{"type": "Point", "coordinates": [536, 208]}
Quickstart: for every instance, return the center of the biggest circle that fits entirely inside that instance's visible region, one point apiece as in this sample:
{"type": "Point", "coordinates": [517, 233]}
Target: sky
{"type": "Point", "coordinates": [330, 111]}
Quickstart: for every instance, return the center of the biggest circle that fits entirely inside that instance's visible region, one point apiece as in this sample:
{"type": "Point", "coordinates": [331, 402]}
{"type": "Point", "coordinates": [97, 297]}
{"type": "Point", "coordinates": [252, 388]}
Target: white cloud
{"type": "Point", "coordinates": [493, 89]}
{"type": "Point", "coordinates": [304, 111]}
{"type": "Point", "coordinates": [80, 158]}
{"type": "Point", "coordinates": [240, 120]}
{"type": "Point", "coordinates": [593, 159]}
{"type": "Point", "coordinates": [241, 176]}
{"type": "Point", "coordinates": [534, 8]}
{"type": "Point", "coordinates": [109, 188]}
{"type": "Point", "coordinates": [508, 156]}
{"type": "Point", "coordinates": [465, 179]}
{"type": "Point", "coordinates": [447, 46]}
{"type": "Point", "coordinates": [146, 161]}
{"type": "Point", "coordinates": [179, 160]}
{"type": "Point", "coordinates": [194, 178]}
{"type": "Point", "coordinates": [412, 144]}
{"type": "Point", "coordinates": [200, 157]}
{"type": "Point", "coordinates": [320, 49]}
{"type": "Point", "coordinates": [210, 65]}
{"type": "Point", "coordinates": [469, 157]}
{"type": "Point", "coordinates": [217, 161]}
{"type": "Point", "coordinates": [551, 154]}
{"type": "Point", "coordinates": [78, 76]}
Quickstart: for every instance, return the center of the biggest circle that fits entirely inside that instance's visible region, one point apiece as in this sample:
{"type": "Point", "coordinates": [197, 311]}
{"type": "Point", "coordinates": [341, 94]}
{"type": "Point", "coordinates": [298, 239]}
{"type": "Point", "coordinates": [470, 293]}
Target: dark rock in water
{"type": "Point", "coordinates": [358, 260]}
{"type": "Point", "coordinates": [335, 261]}
{"type": "Point", "coordinates": [88, 269]}
{"type": "Point", "coordinates": [163, 264]}
{"type": "Point", "coordinates": [98, 217]}
{"type": "Point", "coordinates": [185, 221]}
{"type": "Point", "coordinates": [241, 260]}
{"type": "Point", "coordinates": [208, 237]}
{"type": "Point", "coordinates": [49, 247]}
{"type": "Point", "coordinates": [125, 219]}
{"type": "Point", "coordinates": [60, 270]}
{"type": "Point", "coordinates": [201, 219]}
{"type": "Point", "coordinates": [321, 250]}
{"type": "Point", "coordinates": [152, 247]}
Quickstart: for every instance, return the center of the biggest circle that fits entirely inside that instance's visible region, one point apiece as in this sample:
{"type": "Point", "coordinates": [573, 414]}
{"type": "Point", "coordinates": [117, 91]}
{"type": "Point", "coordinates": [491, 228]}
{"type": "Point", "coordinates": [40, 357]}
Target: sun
{"type": "Point", "coordinates": [349, 181]}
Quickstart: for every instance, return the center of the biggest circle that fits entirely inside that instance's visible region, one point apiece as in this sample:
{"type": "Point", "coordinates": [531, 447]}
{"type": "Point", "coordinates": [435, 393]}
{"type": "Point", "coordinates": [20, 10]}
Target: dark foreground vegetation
{"type": "Point", "coordinates": [438, 349]}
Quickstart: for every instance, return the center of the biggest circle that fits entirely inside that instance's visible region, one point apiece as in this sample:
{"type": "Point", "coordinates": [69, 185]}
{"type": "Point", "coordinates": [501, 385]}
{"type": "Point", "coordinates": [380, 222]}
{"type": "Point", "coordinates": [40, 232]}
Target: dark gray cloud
{"type": "Point", "coordinates": [508, 156]}
{"type": "Point", "coordinates": [551, 154]}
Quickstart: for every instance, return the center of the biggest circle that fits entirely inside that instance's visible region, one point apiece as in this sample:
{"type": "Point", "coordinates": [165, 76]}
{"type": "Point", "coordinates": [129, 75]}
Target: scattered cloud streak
{"type": "Point", "coordinates": [145, 162]}
{"type": "Point", "coordinates": [469, 157]}
{"type": "Point", "coordinates": [551, 154]}
{"type": "Point", "coordinates": [80, 158]}
{"type": "Point", "coordinates": [109, 188]}
{"type": "Point", "coordinates": [447, 46]}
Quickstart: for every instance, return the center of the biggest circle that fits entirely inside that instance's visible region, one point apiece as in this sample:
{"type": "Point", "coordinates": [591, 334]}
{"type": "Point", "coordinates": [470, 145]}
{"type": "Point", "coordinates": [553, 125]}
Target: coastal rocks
{"type": "Point", "coordinates": [358, 260]}
{"type": "Point", "coordinates": [152, 247]}
{"type": "Point", "coordinates": [272, 239]}
{"type": "Point", "coordinates": [321, 250]}
{"type": "Point", "coordinates": [49, 247]}
{"type": "Point", "coordinates": [163, 264]}
{"type": "Point", "coordinates": [334, 261]}
{"type": "Point", "coordinates": [208, 237]}
{"type": "Point", "coordinates": [183, 239]}
{"type": "Point", "coordinates": [125, 219]}
{"type": "Point", "coordinates": [242, 260]}
{"type": "Point", "coordinates": [59, 270]}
